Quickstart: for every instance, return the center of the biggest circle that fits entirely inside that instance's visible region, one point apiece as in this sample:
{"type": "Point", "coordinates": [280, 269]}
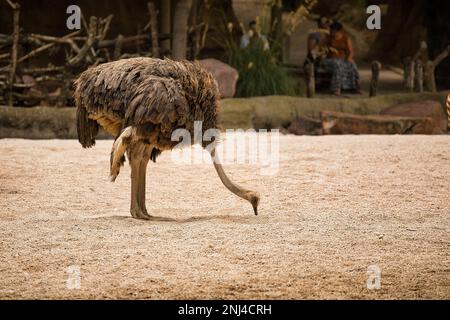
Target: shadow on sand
{"type": "Point", "coordinates": [226, 218]}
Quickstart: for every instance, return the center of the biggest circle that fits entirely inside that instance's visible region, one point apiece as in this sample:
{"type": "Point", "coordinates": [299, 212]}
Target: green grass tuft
{"type": "Point", "coordinates": [259, 72]}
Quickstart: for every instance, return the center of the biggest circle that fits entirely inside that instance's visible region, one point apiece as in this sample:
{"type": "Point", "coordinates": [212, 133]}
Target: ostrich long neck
{"type": "Point", "coordinates": [236, 189]}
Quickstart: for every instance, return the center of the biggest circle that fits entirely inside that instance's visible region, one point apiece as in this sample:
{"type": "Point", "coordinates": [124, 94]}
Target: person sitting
{"type": "Point", "coordinates": [339, 61]}
{"type": "Point", "coordinates": [317, 40]}
{"type": "Point", "coordinates": [253, 33]}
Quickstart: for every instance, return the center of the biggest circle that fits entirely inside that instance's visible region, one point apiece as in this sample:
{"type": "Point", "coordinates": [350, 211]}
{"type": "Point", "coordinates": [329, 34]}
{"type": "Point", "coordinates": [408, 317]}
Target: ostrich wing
{"type": "Point", "coordinates": [136, 92]}
{"type": "Point", "coordinates": [158, 101]}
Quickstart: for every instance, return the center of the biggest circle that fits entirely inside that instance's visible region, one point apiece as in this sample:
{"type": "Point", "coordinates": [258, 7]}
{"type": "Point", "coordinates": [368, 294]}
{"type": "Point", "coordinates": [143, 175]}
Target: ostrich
{"type": "Point", "coordinates": [141, 101]}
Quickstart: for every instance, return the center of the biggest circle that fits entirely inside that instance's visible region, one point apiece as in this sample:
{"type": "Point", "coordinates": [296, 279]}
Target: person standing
{"type": "Point", "coordinates": [254, 33]}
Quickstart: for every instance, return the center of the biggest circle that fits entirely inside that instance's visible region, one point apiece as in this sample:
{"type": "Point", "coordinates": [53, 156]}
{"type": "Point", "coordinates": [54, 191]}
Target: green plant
{"type": "Point", "coordinates": [260, 74]}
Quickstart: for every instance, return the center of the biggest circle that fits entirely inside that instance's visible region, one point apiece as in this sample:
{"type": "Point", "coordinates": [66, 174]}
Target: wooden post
{"type": "Point", "coordinates": [376, 67]}
{"type": "Point", "coordinates": [421, 51]}
{"type": "Point", "coordinates": [153, 29]}
{"type": "Point", "coordinates": [118, 47]}
{"type": "Point", "coordinates": [310, 80]}
{"type": "Point", "coordinates": [408, 75]}
{"type": "Point", "coordinates": [14, 49]}
{"type": "Point", "coordinates": [430, 82]}
{"type": "Point", "coordinates": [418, 76]}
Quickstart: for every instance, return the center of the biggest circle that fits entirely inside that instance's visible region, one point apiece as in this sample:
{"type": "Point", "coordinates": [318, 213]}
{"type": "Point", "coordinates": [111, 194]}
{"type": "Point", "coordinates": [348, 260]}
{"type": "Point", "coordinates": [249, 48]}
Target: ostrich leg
{"type": "Point", "coordinates": [138, 151]}
{"type": "Point", "coordinates": [139, 158]}
{"type": "Point", "coordinates": [135, 171]}
{"type": "Point", "coordinates": [141, 185]}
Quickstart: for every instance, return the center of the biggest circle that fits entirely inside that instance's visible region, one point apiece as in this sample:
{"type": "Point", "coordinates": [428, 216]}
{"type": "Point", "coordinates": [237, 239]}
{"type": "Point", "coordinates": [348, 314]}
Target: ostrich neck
{"type": "Point", "coordinates": [236, 189]}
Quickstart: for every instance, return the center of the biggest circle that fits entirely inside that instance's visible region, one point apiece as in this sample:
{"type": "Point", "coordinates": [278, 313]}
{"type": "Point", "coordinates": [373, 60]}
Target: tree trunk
{"type": "Point", "coordinates": [276, 30]}
{"type": "Point", "coordinates": [153, 29]}
{"type": "Point", "coordinates": [166, 22]}
{"type": "Point", "coordinates": [180, 22]}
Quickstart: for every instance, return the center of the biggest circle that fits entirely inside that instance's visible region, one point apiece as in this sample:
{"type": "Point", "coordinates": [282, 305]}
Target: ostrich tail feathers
{"type": "Point", "coordinates": [117, 152]}
{"type": "Point", "coordinates": [87, 128]}
{"type": "Point", "coordinates": [155, 153]}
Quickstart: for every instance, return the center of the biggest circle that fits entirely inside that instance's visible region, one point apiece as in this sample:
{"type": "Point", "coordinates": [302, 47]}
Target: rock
{"type": "Point", "coordinates": [305, 125]}
{"type": "Point", "coordinates": [346, 123]}
{"type": "Point", "coordinates": [427, 108]}
{"type": "Point", "coordinates": [225, 75]}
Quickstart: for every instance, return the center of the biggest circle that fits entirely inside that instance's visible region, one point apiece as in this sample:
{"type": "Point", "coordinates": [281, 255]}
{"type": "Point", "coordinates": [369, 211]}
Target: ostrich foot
{"type": "Point", "coordinates": [139, 213]}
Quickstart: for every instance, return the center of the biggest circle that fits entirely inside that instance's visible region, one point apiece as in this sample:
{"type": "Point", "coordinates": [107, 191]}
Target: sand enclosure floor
{"type": "Point", "coordinates": [339, 209]}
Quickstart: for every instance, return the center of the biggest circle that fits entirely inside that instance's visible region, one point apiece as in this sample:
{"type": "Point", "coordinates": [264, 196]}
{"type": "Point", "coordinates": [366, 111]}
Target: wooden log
{"type": "Point", "coordinates": [92, 32]}
{"type": "Point", "coordinates": [61, 40]}
{"type": "Point", "coordinates": [36, 51]}
{"type": "Point", "coordinates": [125, 42]}
{"type": "Point", "coordinates": [153, 29]}
{"type": "Point", "coordinates": [418, 76]}
{"type": "Point", "coordinates": [376, 67]}
{"type": "Point", "coordinates": [303, 125]}
{"type": "Point", "coordinates": [48, 69]}
{"type": "Point", "coordinates": [40, 49]}
{"type": "Point", "coordinates": [346, 123]}
{"type": "Point", "coordinates": [23, 85]}
{"type": "Point", "coordinates": [310, 80]}
{"type": "Point", "coordinates": [422, 108]}
{"type": "Point", "coordinates": [47, 78]}
{"type": "Point", "coordinates": [103, 27]}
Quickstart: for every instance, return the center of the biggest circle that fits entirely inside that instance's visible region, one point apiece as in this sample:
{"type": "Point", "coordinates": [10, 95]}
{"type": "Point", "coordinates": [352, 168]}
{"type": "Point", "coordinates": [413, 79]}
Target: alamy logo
{"type": "Point", "coordinates": [73, 22]}
{"type": "Point", "coordinates": [73, 280]}
{"type": "Point", "coordinates": [374, 277]}
{"type": "Point", "coordinates": [374, 20]}
{"type": "Point", "coordinates": [260, 148]}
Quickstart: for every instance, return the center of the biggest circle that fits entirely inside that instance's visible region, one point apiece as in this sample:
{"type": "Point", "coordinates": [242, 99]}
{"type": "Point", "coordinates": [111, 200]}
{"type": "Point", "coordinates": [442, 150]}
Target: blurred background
{"type": "Point", "coordinates": [40, 57]}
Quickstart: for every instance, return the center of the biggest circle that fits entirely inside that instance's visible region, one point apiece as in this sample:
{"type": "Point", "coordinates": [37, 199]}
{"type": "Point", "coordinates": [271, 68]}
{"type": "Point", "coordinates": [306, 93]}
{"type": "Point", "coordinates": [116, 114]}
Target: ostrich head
{"type": "Point", "coordinates": [253, 197]}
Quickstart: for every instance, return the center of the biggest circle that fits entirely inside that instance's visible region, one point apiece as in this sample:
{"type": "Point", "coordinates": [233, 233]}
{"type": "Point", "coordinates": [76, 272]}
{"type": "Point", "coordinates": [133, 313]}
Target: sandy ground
{"type": "Point", "coordinates": [337, 205]}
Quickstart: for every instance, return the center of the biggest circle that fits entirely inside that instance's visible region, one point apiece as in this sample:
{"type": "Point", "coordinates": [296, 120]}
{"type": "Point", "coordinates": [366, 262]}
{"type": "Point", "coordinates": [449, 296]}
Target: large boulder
{"type": "Point", "coordinates": [225, 75]}
{"type": "Point", "coordinates": [427, 108]}
{"type": "Point", "coordinates": [347, 123]}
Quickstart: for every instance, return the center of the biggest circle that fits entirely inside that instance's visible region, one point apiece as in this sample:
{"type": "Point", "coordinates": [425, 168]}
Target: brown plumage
{"type": "Point", "coordinates": [141, 101]}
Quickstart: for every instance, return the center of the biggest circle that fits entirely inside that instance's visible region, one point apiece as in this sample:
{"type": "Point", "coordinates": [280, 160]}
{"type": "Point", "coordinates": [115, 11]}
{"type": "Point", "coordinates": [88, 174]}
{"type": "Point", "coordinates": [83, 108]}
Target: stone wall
{"type": "Point", "coordinates": [259, 112]}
